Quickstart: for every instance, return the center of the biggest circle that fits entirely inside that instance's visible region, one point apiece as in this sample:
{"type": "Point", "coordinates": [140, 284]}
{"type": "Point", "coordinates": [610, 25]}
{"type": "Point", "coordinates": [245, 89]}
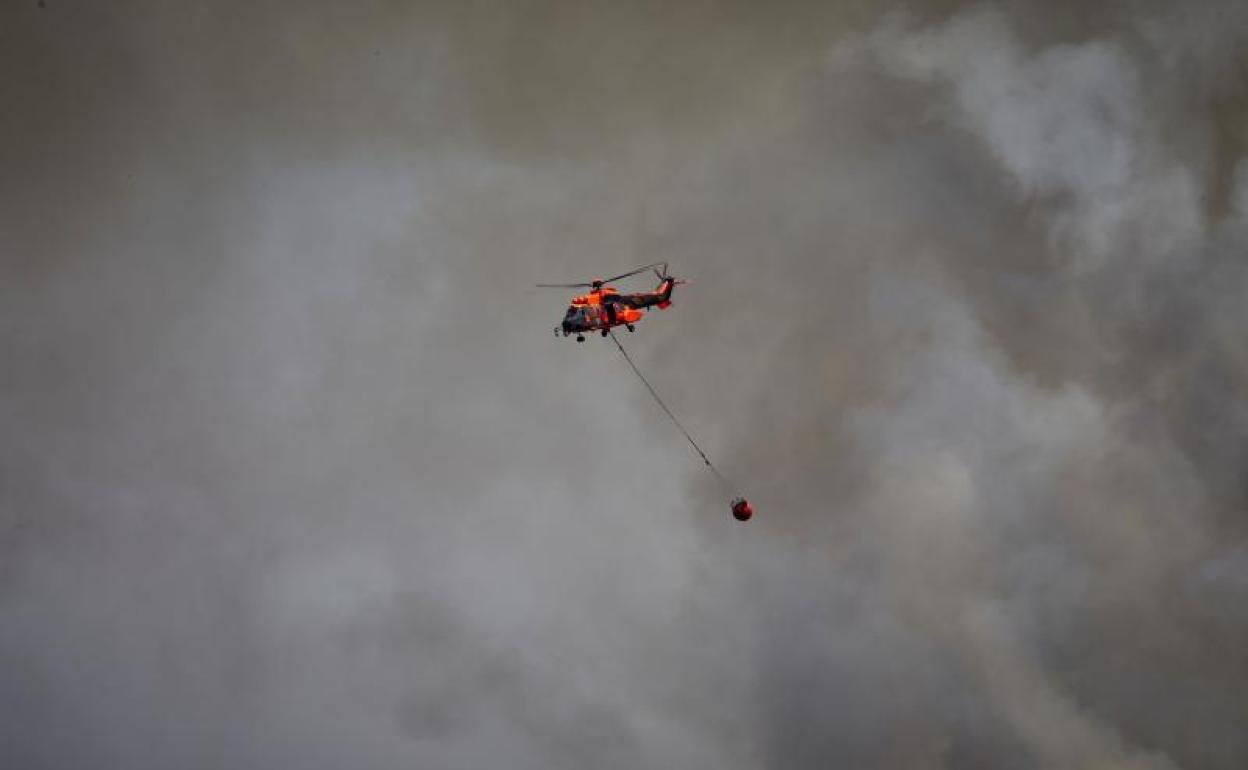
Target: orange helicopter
{"type": "Point", "coordinates": [604, 308]}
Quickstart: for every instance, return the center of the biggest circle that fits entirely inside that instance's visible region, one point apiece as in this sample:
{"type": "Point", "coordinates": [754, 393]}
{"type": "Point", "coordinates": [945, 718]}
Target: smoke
{"type": "Point", "coordinates": [294, 475]}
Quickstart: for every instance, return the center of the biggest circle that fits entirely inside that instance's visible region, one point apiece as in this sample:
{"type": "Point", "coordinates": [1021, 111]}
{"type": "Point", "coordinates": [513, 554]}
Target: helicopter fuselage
{"type": "Point", "coordinates": [605, 308]}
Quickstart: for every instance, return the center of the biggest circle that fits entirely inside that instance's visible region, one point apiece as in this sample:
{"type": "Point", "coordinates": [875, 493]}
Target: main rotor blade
{"type": "Point", "coordinates": [641, 269]}
{"type": "Point", "coordinates": [603, 281]}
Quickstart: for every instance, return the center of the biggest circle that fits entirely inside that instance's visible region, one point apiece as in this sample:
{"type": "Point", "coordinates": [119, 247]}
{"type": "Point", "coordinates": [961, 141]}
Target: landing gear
{"type": "Point", "coordinates": [630, 327]}
{"type": "Point", "coordinates": [580, 338]}
{"type": "Point", "coordinates": [604, 332]}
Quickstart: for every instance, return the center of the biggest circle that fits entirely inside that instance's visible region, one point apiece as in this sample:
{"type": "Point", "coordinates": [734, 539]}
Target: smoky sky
{"type": "Point", "coordinates": [294, 474]}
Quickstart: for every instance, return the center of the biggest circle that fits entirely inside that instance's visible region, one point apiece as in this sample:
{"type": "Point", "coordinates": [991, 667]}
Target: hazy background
{"type": "Point", "coordinates": [294, 475]}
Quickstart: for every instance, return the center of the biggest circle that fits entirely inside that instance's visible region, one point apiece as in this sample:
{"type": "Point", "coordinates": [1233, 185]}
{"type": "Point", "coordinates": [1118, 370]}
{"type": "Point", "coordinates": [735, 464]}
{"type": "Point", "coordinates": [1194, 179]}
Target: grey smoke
{"type": "Point", "coordinates": [293, 474]}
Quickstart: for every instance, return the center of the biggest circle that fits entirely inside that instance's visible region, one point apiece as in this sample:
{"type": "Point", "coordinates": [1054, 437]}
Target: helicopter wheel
{"type": "Point", "coordinates": [580, 338]}
{"type": "Point", "coordinates": [604, 332]}
{"type": "Point", "coordinates": [630, 327]}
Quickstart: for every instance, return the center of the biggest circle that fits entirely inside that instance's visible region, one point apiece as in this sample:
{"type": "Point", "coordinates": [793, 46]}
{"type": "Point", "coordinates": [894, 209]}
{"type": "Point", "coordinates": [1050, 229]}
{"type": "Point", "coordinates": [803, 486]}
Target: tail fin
{"type": "Point", "coordinates": [665, 292]}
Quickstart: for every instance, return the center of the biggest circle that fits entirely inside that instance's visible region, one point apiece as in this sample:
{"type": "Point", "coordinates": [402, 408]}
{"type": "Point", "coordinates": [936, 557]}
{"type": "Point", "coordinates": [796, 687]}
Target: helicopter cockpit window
{"type": "Point", "coordinates": [571, 312]}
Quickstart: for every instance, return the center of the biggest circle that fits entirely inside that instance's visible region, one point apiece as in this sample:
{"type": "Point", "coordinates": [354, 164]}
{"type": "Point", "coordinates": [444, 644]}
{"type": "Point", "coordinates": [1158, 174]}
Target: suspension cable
{"type": "Point", "coordinates": [675, 422]}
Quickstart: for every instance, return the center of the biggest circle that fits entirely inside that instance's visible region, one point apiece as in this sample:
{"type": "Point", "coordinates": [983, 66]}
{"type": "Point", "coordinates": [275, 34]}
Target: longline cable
{"type": "Point", "coordinates": [675, 421]}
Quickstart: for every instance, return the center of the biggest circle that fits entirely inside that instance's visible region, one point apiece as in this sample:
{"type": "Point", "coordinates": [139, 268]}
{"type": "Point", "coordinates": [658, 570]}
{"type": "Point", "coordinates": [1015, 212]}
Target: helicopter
{"type": "Point", "coordinates": [604, 308]}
